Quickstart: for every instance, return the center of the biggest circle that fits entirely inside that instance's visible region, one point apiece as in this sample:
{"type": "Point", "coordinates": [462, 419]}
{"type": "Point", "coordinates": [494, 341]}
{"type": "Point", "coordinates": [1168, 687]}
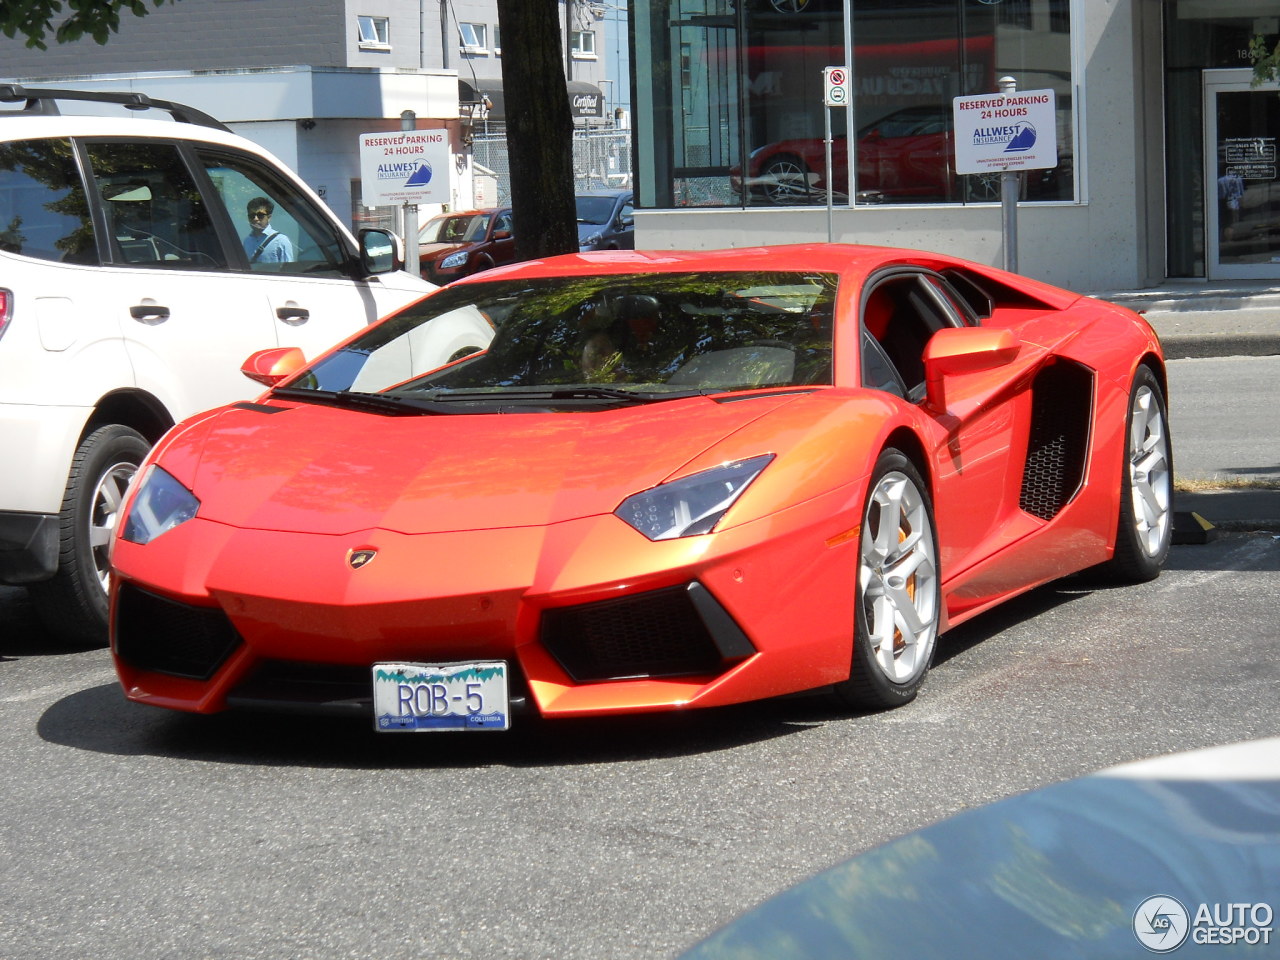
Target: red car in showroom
{"type": "Point", "coordinates": [907, 156]}
{"type": "Point", "coordinates": [671, 480]}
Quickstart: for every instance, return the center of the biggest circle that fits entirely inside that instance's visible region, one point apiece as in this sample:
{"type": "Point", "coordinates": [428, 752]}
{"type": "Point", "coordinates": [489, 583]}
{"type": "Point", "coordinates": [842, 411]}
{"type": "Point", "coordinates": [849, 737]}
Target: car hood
{"type": "Point", "coordinates": [313, 468]}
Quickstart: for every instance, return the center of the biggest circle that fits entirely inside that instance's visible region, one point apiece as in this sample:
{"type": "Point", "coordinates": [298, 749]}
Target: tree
{"type": "Point", "coordinates": [539, 129]}
{"type": "Point", "coordinates": [34, 19]}
{"type": "Point", "coordinates": [1266, 63]}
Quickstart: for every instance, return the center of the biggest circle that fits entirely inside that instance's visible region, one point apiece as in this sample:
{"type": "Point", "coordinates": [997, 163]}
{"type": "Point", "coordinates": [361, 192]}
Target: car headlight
{"type": "Point", "coordinates": [592, 240]}
{"type": "Point", "coordinates": [454, 260]}
{"type": "Point", "coordinates": [161, 504]}
{"type": "Point", "coordinates": [690, 505]}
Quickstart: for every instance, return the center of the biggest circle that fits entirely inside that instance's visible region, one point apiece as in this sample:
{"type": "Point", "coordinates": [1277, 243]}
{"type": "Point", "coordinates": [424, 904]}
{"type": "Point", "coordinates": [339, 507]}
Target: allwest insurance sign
{"type": "Point", "coordinates": [1006, 131]}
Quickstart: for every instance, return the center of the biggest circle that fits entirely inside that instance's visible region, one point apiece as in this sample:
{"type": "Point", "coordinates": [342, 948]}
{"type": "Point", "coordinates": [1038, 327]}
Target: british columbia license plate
{"type": "Point", "coordinates": [419, 697]}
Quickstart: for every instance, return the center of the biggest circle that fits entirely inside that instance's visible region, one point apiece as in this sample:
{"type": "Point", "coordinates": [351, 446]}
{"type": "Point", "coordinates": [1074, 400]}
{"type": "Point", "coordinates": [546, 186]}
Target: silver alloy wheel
{"type": "Point", "coordinates": [1150, 476]}
{"type": "Point", "coordinates": [108, 497]}
{"type": "Point", "coordinates": [786, 180]}
{"type": "Point", "coordinates": [897, 576]}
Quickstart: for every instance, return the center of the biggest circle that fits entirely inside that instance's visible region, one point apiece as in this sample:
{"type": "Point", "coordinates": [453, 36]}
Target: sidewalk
{"type": "Point", "coordinates": [1195, 318]}
{"type": "Point", "coordinates": [1214, 319]}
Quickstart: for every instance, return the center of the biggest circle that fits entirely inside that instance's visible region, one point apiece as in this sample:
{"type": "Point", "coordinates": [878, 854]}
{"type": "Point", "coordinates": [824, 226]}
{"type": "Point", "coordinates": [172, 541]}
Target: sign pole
{"type": "Point", "coordinates": [830, 198]}
{"type": "Point", "coordinates": [835, 82]}
{"type": "Point", "coordinates": [412, 253]}
{"type": "Point", "coordinates": [1009, 189]}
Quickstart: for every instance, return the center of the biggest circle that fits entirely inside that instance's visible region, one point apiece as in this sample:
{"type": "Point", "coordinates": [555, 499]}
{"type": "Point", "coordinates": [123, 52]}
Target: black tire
{"type": "Point", "coordinates": [73, 605]}
{"type": "Point", "coordinates": [1144, 523]}
{"type": "Point", "coordinates": [898, 579]}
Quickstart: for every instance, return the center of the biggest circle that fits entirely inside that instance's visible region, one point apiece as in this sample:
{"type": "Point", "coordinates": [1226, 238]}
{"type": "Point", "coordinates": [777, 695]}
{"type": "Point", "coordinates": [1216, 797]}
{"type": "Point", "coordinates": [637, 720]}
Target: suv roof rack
{"type": "Point", "coordinates": [42, 101]}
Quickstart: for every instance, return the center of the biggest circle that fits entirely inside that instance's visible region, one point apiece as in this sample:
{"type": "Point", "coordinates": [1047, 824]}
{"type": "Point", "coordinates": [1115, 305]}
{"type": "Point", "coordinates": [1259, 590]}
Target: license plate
{"type": "Point", "coordinates": [419, 697]}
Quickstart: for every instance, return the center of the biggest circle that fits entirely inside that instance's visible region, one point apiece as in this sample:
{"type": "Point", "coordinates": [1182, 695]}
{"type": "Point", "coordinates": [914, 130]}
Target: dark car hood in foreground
{"type": "Point", "coordinates": [1074, 870]}
{"type": "Point", "coordinates": [315, 468]}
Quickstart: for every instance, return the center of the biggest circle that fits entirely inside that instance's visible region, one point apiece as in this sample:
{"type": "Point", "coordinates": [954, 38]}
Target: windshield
{"type": "Point", "coordinates": [598, 338]}
{"type": "Point", "coordinates": [595, 209]}
{"type": "Point", "coordinates": [462, 228]}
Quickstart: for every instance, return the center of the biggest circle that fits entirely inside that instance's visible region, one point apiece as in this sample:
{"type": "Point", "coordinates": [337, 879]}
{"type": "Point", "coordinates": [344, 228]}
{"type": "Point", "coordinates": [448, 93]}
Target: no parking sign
{"type": "Point", "coordinates": [835, 82]}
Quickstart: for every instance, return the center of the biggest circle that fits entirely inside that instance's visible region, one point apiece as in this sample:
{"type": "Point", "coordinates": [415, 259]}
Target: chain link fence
{"type": "Point", "coordinates": [601, 160]}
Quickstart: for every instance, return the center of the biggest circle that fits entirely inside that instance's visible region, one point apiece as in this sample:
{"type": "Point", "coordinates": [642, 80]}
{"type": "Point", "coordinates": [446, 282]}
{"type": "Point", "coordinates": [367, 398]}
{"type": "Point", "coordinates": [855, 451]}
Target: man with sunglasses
{"type": "Point", "coordinates": [262, 244]}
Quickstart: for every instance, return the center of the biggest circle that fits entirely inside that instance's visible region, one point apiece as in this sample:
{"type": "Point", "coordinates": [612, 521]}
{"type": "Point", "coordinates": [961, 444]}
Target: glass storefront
{"type": "Point", "coordinates": [1232, 228]}
{"type": "Point", "coordinates": [731, 96]}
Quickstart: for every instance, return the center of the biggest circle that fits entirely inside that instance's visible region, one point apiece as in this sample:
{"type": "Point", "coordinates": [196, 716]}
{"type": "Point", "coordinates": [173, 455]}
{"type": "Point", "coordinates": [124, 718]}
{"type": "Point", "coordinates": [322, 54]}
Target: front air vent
{"type": "Point", "coordinates": [155, 633]}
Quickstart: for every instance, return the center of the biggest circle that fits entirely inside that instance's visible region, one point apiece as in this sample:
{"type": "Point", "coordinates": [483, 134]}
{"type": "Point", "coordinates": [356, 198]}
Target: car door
{"type": "Point", "coordinates": [185, 326]}
{"type": "Point", "coordinates": [301, 265]}
{"type": "Point", "coordinates": [970, 444]}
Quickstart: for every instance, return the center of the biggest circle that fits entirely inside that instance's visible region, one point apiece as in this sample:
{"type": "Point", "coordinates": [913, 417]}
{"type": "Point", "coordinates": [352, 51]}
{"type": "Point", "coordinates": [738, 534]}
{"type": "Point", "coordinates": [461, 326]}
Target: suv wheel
{"type": "Point", "coordinates": [73, 605]}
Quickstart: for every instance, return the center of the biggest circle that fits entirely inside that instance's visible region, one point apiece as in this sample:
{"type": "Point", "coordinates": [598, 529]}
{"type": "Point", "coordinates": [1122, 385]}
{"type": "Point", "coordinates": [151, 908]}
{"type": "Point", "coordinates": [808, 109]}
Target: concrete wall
{"type": "Point", "coordinates": [197, 35]}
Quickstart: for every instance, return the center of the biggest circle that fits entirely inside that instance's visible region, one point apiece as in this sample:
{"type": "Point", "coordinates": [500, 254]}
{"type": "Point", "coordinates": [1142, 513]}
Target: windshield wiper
{"type": "Point", "coordinates": [381, 402]}
{"type": "Point", "coordinates": [539, 394]}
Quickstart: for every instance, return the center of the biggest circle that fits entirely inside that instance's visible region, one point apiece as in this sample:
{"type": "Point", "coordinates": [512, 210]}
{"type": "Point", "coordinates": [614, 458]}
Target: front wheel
{"type": "Point", "coordinates": [1144, 526]}
{"type": "Point", "coordinates": [73, 605]}
{"type": "Point", "coordinates": [898, 593]}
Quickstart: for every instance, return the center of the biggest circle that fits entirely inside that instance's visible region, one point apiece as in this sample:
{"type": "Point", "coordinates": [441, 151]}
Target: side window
{"type": "Point", "coordinates": [280, 229]}
{"type": "Point", "coordinates": [900, 315]}
{"type": "Point", "coordinates": [43, 209]}
{"type": "Point", "coordinates": [155, 214]}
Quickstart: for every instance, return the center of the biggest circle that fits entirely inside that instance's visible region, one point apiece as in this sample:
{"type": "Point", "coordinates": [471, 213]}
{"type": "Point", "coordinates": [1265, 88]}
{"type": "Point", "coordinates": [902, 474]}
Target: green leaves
{"type": "Point", "coordinates": [1266, 63]}
{"type": "Point", "coordinates": [34, 19]}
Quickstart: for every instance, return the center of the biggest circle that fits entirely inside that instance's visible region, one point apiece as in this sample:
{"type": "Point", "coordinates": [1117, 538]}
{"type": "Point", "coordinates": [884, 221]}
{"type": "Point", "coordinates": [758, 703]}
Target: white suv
{"type": "Point", "coordinates": [132, 287]}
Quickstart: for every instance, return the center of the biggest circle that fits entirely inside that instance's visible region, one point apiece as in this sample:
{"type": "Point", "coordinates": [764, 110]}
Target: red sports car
{"type": "Point", "coordinates": [671, 480]}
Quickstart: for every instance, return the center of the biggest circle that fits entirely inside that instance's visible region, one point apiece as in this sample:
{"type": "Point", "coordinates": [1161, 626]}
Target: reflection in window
{"type": "Point", "coordinates": [43, 211]}
{"type": "Point", "coordinates": [735, 90]}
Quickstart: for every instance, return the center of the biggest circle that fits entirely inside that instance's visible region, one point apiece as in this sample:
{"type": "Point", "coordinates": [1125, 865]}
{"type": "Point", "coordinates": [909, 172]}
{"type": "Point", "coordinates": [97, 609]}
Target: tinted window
{"type": "Point", "coordinates": [294, 237]}
{"type": "Point", "coordinates": [43, 210]}
{"type": "Point", "coordinates": [155, 213]}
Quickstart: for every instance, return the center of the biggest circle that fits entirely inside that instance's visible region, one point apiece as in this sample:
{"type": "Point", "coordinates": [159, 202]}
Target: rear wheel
{"type": "Point", "coordinates": [1144, 527]}
{"type": "Point", "coordinates": [898, 592]}
{"type": "Point", "coordinates": [785, 179]}
{"type": "Point", "coordinates": [73, 605]}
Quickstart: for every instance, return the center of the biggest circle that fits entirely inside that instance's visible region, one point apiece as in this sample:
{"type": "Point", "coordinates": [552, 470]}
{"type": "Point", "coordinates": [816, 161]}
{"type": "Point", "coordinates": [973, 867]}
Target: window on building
{"type": "Point", "coordinates": [497, 40]}
{"type": "Point", "coordinates": [375, 33]}
{"type": "Point", "coordinates": [735, 95]}
{"type": "Point", "coordinates": [584, 44]}
{"type": "Point", "coordinates": [475, 38]}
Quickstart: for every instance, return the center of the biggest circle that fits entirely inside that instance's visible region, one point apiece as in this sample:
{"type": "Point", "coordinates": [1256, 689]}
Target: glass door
{"type": "Point", "coordinates": [1242, 175]}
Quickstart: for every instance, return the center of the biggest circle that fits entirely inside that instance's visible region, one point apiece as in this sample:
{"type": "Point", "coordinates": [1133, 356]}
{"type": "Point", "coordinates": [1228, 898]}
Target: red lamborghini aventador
{"type": "Point", "coordinates": [671, 480]}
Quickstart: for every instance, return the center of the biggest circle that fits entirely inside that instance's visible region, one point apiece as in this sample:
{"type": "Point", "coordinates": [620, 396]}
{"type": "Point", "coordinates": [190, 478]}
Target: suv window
{"type": "Point", "coordinates": [295, 239]}
{"type": "Point", "coordinates": [155, 214]}
{"type": "Point", "coordinates": [43, 210]}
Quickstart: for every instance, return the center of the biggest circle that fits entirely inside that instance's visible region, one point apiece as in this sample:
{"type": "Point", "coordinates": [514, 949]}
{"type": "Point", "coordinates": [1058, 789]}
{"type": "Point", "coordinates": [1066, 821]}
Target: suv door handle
{"type": "Point", "coordinates": [149, 313]}
{"type": "Point", "coordinates": [293, 314]}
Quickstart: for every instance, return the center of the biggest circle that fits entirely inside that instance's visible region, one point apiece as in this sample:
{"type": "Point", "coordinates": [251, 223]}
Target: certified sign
{"type": "Point", "coordinates": [1006, 131]}
{"type": "Point", "coordinates": [410, 166]}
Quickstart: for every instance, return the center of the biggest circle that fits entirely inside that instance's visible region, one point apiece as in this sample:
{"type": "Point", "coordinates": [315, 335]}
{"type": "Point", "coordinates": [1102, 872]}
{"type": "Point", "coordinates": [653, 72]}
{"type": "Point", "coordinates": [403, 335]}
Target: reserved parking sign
{"type": "Point", "coordinates": [1006, 131]}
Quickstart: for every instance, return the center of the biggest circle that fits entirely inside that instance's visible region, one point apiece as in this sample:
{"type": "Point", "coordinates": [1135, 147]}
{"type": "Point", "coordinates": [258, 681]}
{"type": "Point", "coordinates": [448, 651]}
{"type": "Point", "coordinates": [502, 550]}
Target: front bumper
{"type": "Point", "coordinates": [593, 618]}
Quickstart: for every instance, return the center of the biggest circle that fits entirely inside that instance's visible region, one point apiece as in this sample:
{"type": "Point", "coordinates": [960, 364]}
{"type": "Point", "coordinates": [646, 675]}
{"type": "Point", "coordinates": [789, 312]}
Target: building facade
{"type": "Point", "coordinates": [1166, 155]}
{"type": "Point", "coordinates": [306, 80]}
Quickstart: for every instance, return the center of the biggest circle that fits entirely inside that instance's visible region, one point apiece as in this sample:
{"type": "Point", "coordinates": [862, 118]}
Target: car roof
{"type": "Point", "coordinates": [846, 259]}
{"type": "Point", "coordinates": [604, 193]}
{"type": "Point", "coordinates": [15, 125]}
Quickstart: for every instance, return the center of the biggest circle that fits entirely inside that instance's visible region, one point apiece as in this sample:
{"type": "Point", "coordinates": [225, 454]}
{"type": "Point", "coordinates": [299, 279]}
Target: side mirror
{"type": "Point", "coordinates": [963, 350]}
{"type": "Point", "coordinates": [502, 234]}
{"type": "Point", "coordinates": [273, 366]}
{"type": "Point", "coordinates": [380, 252]}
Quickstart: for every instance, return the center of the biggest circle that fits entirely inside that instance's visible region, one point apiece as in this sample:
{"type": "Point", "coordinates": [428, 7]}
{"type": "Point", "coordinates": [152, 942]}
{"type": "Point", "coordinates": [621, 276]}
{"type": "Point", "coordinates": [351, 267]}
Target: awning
{"type": "Point", "coordinates": [585, 99]}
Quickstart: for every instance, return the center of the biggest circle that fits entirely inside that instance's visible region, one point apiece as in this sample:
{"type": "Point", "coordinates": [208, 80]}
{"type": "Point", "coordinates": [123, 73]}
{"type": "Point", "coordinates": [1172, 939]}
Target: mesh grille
{"type": "Point", "coordinates": [1060, 415]}
{"type": "Point", "coordinates": [153, 633]}
{"type": "Point", "coordinates": [657, 634]}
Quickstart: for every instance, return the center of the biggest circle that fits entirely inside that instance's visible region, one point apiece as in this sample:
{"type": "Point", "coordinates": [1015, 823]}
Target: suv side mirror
{"type": "Point", "coordinates": [380, 252]}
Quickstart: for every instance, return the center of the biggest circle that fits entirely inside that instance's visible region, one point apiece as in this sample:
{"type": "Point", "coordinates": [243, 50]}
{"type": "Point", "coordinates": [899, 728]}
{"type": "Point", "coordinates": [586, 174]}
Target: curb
{"type": "Point", "coordinates": [1187, 346]}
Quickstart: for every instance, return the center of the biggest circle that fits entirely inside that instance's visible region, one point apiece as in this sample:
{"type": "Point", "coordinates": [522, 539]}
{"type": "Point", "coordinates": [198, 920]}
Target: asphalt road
{"type": "Point", "coordinates": [134, 834]}
{"type": "Point", "coordinates": [1223, 413]}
